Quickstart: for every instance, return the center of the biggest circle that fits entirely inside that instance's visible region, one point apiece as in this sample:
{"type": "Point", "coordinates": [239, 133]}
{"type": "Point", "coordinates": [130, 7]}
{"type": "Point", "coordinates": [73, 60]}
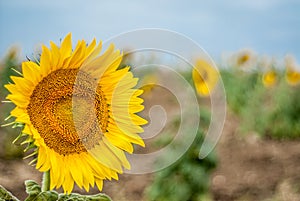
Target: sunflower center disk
{"type": "Point", "coordinates": [69, 111]}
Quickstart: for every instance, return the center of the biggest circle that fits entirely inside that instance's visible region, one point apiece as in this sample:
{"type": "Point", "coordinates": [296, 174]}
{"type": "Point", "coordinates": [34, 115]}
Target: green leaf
{"type": "Point", "coordinates": [32, 189]}
{"type": "Point", "coordinates": [78, 197]}
{"type": "Point", "coordinates": [35, 194]}
{"type": "Point", "coordinates": [47, 196]}
{"type": "Point", "coordinates": [5, 195]}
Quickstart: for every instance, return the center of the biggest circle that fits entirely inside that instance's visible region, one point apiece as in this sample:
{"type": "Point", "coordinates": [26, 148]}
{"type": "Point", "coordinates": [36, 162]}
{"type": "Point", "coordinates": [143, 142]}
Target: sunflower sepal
{"type": "Point", "coordinates": [18, 125]}
{"type": "Point", "coordinates": [29, 141]}
{"type": "Point", "coordinates": [18, 138]}
{"type": "Point", "coordinates": [30, 145]}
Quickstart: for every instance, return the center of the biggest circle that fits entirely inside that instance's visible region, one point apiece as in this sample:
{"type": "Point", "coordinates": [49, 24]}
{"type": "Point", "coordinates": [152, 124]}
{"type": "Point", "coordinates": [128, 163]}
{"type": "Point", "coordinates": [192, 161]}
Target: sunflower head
{"type": "Point", "coordinates": [269, 78]}
{"type": "Point", "coordinates": [79, 111]}
{"type": "Point", "coordinates": [148, 83]}
{"type": "Point", "coordinates": [205, 77]}
{"type": "Point", "coordinates": [292, 77]}
{"type": "Point", "coordinates": [245, 59]}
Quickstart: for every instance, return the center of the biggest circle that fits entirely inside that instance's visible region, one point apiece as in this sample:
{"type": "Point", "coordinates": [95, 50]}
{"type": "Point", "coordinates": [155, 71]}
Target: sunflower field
{"type": "Point", "coordinates": [265, 97]}
{"type": "Point", "coordinates": [256, 158]}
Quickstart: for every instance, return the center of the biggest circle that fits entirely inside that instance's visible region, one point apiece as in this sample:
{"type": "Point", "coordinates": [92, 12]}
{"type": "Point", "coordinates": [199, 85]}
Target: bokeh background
{"type": "Point", "coordinates": [254, 43]}
{"type": "Point", "coordinates": [269, 27]}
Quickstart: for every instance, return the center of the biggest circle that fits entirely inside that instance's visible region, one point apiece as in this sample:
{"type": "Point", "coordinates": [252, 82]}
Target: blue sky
{"type": "Point", "coordinates": [270, 27]}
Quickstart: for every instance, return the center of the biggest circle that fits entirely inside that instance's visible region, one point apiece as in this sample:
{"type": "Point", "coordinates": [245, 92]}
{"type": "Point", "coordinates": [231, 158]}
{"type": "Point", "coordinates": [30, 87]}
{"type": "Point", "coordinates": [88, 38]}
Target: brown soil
{"type": "Point", "coordinates": [251, 168]}
{"type": "Point", "coordinates": [15, 172]}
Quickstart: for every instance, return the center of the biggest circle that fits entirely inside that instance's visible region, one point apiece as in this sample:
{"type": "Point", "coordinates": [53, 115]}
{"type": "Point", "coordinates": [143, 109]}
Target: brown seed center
{"type": "Point", "coordinates": [69, 111]}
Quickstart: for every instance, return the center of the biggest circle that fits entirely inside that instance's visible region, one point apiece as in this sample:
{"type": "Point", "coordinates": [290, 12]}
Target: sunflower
{"type": "Point", "coordinates": [269, 78]}
{"type": "Point", "coordinates": [148, 84]}
{"type": "Point", "coordinates": [292, 77]}
{"type": "Point", "coordinates": [245, 59]}
{"type": "Point", "coordinates": [205, 77]}
{"type": "Point", "coordinates": [79, 111]}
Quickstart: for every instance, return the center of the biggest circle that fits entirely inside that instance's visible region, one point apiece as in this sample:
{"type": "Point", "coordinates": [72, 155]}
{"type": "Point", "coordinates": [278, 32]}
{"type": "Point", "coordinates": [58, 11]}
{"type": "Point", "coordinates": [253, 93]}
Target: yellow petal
{"type": "Point", "coordinates": [55, 172]}
{"type": "Point", "coordinates": [104, 156]}
{"type": "Point", "coordinates": [92, 55]}
{"type": "Point", "coordinates": [42, 157]}
{"type": "Point", "coordinates": [68, 183]}
{"type": "Point", "coordinates": [45, 61]}
{"type": "Point", "coordinates": [31, 71]}
{"type": "Point", "coordinates": [78, 55]}
{"type": "Point", "coordinates": [120, 142]}
{"type": "Point", "coordinates": [55, 56]}
{"type": "Point", "coordinates": [119, 153]}
{"type": "Point", "coordinates": [19, 100]}
{"type": "Point", "coordinates": [75, 169]}
{"type": "Point", "coordinates": [90, 48]}
{"type": "Point", "coordinates": [65, 49]}
{"type": "Point", "coordinates": [99, 183]}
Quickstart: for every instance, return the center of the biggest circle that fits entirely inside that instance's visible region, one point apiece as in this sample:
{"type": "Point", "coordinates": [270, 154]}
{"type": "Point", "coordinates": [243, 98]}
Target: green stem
{"type": "Point", "coordinates": [46, 181]}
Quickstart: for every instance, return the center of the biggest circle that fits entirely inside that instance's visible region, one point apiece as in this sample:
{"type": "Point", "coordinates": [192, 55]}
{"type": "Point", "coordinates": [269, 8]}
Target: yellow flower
{"type": "Point", "coordinates": [79, 111]}
{"type": "Point", "coordinates": [292, 77]}
{"type": "Point", "coordinates": [245, 59]}
{"type": "Point", "coordinates": [205, 77]}
{"type": "Point", "coordinates": [148, 83]}
{"type": "Point", "coordinates": [269, 78]}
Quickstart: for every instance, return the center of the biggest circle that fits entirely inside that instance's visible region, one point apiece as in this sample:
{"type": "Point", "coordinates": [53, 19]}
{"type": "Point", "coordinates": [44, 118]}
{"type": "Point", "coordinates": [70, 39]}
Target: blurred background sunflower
{"type": "Point", "coordinates": [205, 77]}
{"type": "Point", "coordinates": [269, 78]}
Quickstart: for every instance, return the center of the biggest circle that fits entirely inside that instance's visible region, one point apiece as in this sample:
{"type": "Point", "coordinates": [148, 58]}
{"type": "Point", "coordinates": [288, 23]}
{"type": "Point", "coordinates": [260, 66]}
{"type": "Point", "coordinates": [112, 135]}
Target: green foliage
{"type": "Point", "coordinates": [36, 194]}
{"type": "Point", "coordinates": [239, 88]}
{"type": "Point", "coordinates": [187, 179]}
{"type": "Point", "coordinates": [5, 195]}
{"type": "Point", "coordinates": [7, 134]}
{"type": "Point", "coordinates": [270, 111]}
{"type": "Point", "coordinates": [274, 112]}
{"type": "Point", "coordinates": [9, 62]}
